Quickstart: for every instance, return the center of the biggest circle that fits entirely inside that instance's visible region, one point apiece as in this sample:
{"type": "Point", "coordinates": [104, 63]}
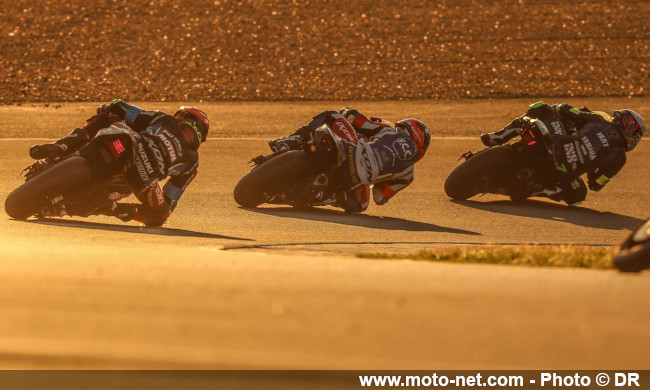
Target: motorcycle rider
{"type": "Point", "coordinates": [383, 156]}
{"type": "Point", "coordinates": [582, 142]}
{"type": "Point", "coordinates": [167, 145]}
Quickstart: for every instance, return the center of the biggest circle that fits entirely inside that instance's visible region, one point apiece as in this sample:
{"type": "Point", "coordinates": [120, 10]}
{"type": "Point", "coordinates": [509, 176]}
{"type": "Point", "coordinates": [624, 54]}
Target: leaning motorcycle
{"type": "Point", "coordinates": [634, 253]}
{"type": "Point", "coordinates": [82, 183]}
{"type": "Point", "coordinates": [520, 170]}
{"type": "Point", "coordinates": [297, 177]}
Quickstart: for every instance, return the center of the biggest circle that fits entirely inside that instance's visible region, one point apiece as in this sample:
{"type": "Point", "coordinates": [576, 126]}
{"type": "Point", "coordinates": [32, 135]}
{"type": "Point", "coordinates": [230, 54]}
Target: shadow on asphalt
{"type": "Point", "coordinates": [363, 220]}
{"type": "Point", "coordinates": [161, 231]}
{"type": "Point", "coordinates": [556, 212]}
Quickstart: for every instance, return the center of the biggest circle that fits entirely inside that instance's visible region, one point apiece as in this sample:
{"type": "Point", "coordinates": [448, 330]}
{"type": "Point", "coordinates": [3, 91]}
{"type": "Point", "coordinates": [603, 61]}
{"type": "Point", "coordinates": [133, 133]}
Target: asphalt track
{"type": "Point", "coordinates": [224, 287]}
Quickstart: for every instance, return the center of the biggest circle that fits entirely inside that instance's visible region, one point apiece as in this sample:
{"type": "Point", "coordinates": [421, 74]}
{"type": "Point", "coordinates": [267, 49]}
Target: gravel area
{"type": "Point", "coordinates": [160, 50]}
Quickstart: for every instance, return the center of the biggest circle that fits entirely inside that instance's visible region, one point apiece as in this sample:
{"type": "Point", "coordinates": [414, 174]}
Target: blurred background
{"type": "Point", "coordinates": [264, 50]}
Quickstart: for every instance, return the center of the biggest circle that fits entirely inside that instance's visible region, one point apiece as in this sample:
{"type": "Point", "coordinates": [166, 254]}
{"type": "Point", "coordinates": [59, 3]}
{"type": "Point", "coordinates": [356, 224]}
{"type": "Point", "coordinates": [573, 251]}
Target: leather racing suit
{"type": "Point", "coordinates": [582, 142]}
{"type": "Point", "coordinates": [165, 147]}
{"type": "Point", "coordinates": [382, 158]}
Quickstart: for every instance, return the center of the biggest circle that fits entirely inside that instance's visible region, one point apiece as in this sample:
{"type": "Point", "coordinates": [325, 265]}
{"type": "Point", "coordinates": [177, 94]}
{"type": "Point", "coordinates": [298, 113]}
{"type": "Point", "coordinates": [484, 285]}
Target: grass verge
{"type": "Point", "coordinates": [536, 256]}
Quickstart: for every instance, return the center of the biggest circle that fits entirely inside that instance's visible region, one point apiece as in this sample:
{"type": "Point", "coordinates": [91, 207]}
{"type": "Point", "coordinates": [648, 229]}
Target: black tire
{"type": "Point", "coordinates": [272, 177]}
{"type": "Point", "coordinates": [634, 254]}
{"type": "Point", "coordinates": [489, 170]}
{"type": "Point", "coordinates": [63, 178]}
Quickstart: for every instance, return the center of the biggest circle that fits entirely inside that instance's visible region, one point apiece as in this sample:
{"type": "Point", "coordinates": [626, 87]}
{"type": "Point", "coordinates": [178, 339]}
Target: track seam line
{"type": "Point", "coordinates": [454, 243]}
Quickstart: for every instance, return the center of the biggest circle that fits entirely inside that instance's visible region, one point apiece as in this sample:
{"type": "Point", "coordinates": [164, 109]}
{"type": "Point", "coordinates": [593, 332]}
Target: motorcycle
{"type": "Point", "coordinates": [634, 253]}
{"type": "Point", "coordinates": [297, 177]}
{"type": "Point", "coordinates": [520, 170]}
{"type": "Point", "coordinates": [82, 183]}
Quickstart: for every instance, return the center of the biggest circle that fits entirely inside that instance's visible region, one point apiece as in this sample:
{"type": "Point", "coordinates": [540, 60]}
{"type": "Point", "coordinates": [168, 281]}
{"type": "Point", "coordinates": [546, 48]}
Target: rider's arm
{"type": "Point", "coordinates": [176, 185]}
{"type": "Point", "coordinates": [611, 165]}
{"type": "Point", "coordinates": [568, 113]}
{"type": "Point", "coordinates": [383, 191]}
{"type": "Point", "coordinates": [153, 211]}
{"type": "Point", "coordinates": [362, 123]}
{"type": "Point", "coordinates": [157, 204]}
{"type": "Point", "coordinates": [134, 116]}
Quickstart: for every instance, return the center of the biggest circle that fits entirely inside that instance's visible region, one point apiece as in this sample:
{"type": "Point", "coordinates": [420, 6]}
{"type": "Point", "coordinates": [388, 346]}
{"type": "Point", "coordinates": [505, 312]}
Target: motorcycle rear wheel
{"type": "Point", "coordinates": [34, 195]}
{"type": "Point", "coordinates": [272, 177]}
{"type": "Point", "coordinates": [634, 254]}
{"type": "Point", "coordinates": [488, 171]}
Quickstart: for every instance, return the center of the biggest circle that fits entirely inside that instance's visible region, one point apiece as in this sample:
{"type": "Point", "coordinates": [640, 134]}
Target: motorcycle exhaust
{"type": "Point", "coordinates": [320, 181]}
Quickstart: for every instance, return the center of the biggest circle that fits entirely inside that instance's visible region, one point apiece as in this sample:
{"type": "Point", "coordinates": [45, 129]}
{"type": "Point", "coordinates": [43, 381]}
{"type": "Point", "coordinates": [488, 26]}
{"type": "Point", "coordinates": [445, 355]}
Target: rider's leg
{"type": "Point", "coordinates": [74, 141]}
{"type": "Point", "coordinates": [304, 134]}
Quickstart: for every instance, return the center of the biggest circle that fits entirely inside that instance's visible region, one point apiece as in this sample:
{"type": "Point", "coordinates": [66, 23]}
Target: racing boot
{"type": "Point", "coordinates": [39, 152]}
{"type": "Point", "coordinates": [292, 142]}
{"type": "Point", "coordinates": [500, 137]}
{"type": "Point", "coordinates": [295, 141]}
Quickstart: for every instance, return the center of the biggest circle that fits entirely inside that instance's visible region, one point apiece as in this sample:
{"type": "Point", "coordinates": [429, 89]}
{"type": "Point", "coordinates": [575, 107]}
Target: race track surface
{"type": "Point", "coordinates": [225, 287]}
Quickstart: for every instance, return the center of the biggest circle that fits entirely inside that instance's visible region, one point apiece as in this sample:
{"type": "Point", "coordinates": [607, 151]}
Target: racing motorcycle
{"type": "Point", "coordinates": [634, 253]}
{"type": "Point", "coordinates": [297, 177]}
{"type": "Point", "coordinates": [81, 183]}
{"type": "Point", "coordinates": [520, 170]}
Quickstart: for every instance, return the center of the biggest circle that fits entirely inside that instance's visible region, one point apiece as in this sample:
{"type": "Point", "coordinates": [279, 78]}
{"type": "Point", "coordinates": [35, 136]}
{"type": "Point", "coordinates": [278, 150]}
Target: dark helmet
{"type": "Point", "coordinates": [632, 126]}
{"type": "Point", "coordinates": [196, 117]}
{"type": "Point", "coordinates": [418, 131]}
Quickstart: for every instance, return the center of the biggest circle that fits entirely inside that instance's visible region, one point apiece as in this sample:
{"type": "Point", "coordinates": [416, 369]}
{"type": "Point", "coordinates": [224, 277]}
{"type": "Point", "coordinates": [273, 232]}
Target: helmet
{"type": "Point", "coordinates": [632, 126]}
{"type": "Point", "coordinates": [196, 117]}
{"type": "Point", "coordinates": [418, 131]}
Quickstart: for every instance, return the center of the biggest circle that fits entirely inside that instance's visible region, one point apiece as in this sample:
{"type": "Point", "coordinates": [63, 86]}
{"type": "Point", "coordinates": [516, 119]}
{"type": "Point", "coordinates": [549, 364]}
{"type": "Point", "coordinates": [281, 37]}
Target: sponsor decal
{"type": "Point", "coordinates": [168, 146]}
{"type": "Point", "coordinates": [590, 148]}
{"type": "Point", "coordinates": [580, 155]}
{"type": "Point", "coordinates": [403, 149]}
{"type": "Point", "coordinates": [353, 171]}
{"type": "Point", "coordinates": [154, 129]}
{"type": "Point", "coordinates": [571, 155]}
{"type": "Point", "coordinates": [141, 171]}
{"type": "Point", "coordinates": [557, 128]}
{"type": "Point", "coordinates": [603, 139]}
{"type": "Point", "coordinates": [160, 162]}
{"type": "Point", "coordinates": [365, 161]}
{"type": "Point", "coordinates": [155, 196]}
{"type": "Point", "coordinates": [145, 159]}
{"type": "Point", "coordinates": [160, 197]}
{"type": "Point", "coordinates": [174, 139]}
{"type": "Point", "coordinates": [119, 148]}
{"type": "Point", "coordinates": [342, 128]}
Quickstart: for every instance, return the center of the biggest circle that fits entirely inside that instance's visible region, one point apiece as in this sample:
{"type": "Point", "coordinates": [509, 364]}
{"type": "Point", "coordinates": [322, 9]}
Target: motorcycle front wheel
{"type": "Point", "coordinates": [66, 177]}
{"type": "Point", "coordinates": [634, 254]}
{"type": "Point", "coordinates": [491, 170]}
{"type": "Point", "coordinates": [272, 177]}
